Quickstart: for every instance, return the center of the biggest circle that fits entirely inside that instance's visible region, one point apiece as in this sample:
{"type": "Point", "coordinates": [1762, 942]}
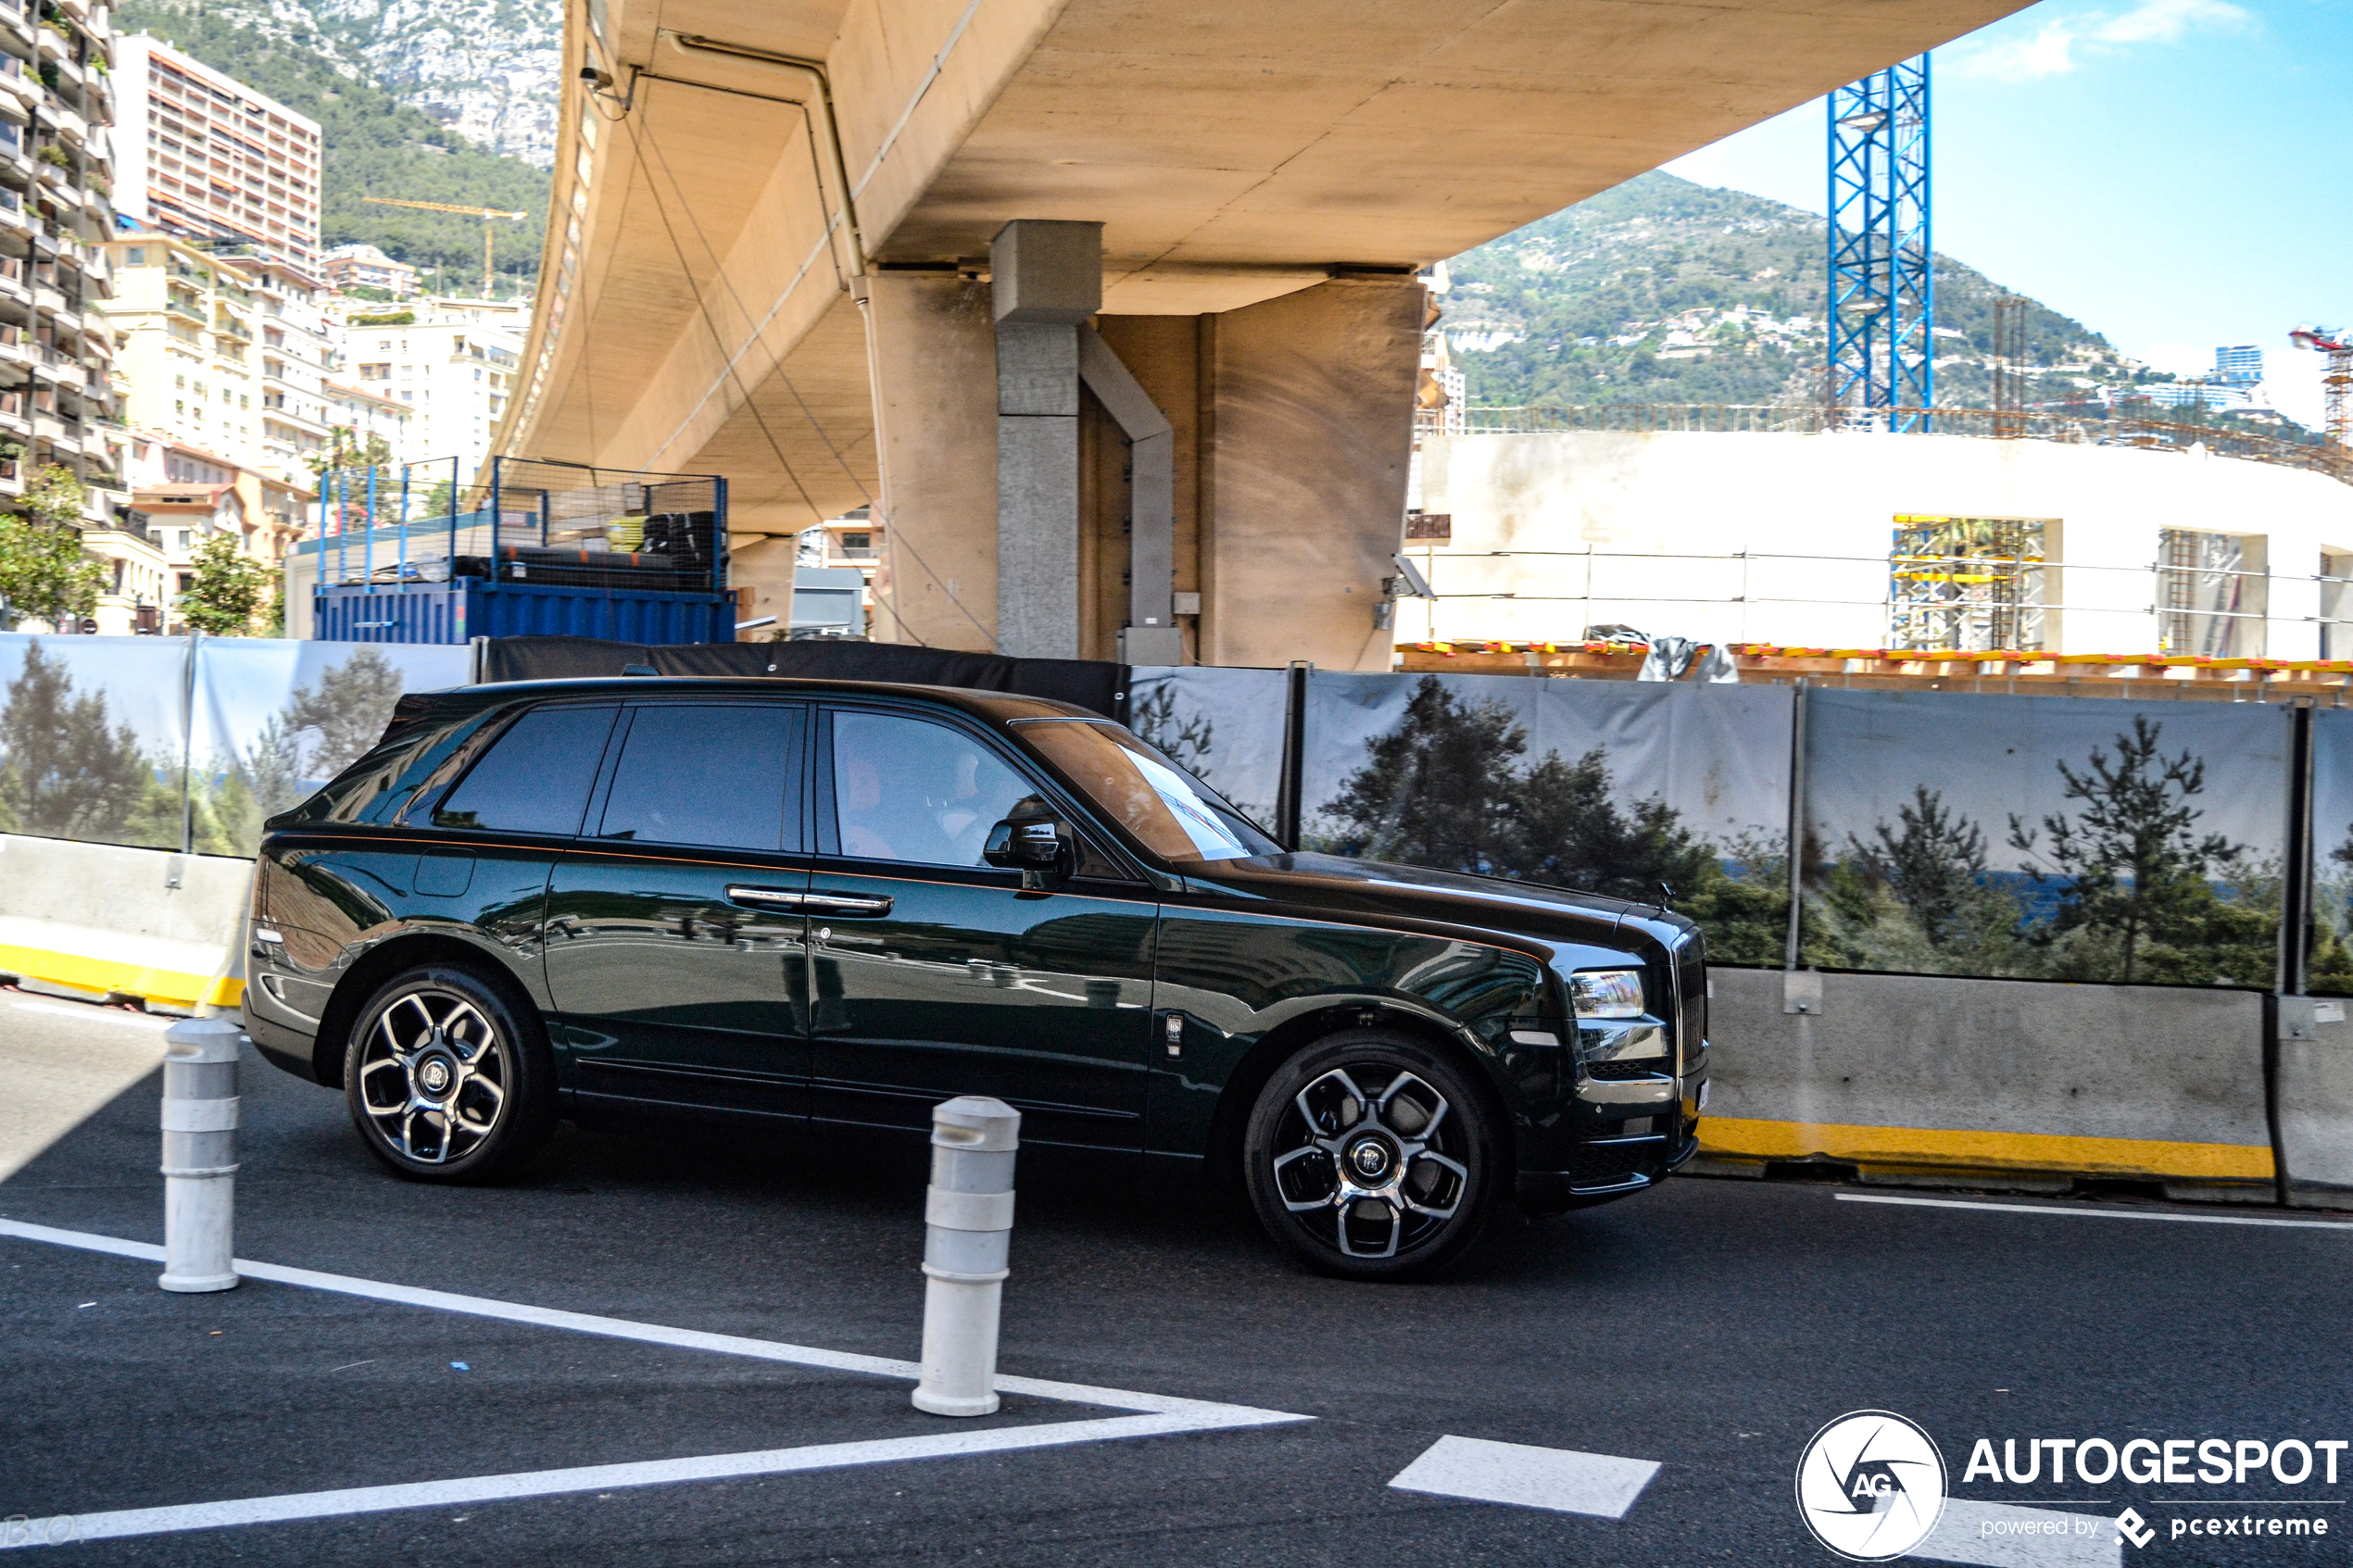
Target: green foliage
{"type": "Point", "coordinates": [374, 146]}
{"type": "Point", "coordinates": [349, 712]}
{"type": "Point", "coordinates": [229, 589]}
{"type": "Point", "coordinates": [1187, 740]}
{"type": "Point", "coordinates": [43, 571]}
{"type": "Point", "coordinates": [2137, 871]}
{"type": "Point", "coordinates": [386, 318]}
{"type": "Point", "coordinates": [54, 155]}
{"type": "Point", "coordinates": [344, 448]}
{"type": "Point", "coordinates": [1448, 787]}
{"type": "Point", "coordinates": [1656, 247]}
{"type": "Point", "coordinates": [63, 772]}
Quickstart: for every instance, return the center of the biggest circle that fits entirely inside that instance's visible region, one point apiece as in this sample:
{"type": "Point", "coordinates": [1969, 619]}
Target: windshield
{"type": "Point", "coordinates": [1174, 815]}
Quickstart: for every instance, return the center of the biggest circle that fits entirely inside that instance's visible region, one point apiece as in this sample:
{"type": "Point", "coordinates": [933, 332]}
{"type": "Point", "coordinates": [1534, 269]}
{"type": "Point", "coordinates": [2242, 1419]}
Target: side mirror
{"type": "Point", "coordinates": [1037, 848]}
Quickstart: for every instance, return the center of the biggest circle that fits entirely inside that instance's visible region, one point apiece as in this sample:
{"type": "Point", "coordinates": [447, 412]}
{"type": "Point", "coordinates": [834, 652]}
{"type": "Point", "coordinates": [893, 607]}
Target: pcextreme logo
{"type": "Point", "coordinates": [1870, 1486]}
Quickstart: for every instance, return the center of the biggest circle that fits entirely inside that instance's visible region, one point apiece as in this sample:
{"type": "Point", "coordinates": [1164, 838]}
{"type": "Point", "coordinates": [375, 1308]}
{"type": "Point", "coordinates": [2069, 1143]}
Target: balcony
{"type": "Point", "coordinates": [187, 309]}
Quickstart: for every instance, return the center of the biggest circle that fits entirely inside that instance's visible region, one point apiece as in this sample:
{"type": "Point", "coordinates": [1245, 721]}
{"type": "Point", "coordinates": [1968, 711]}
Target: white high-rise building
{"type": "Point", "coordinates": [452, 368]}
{"type": "Point", "coordinates": [201, 156]}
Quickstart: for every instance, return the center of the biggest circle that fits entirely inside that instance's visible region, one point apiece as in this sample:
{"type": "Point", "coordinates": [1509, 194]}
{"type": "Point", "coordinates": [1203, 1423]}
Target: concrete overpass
{"type": "Point", "coordinates": [770, 254]}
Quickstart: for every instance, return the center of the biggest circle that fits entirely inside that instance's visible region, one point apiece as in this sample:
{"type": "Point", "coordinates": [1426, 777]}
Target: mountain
{"type": "Point", "coordinates": [390, 128]}
{"type": "Point", "coordinates": [1662, 290]}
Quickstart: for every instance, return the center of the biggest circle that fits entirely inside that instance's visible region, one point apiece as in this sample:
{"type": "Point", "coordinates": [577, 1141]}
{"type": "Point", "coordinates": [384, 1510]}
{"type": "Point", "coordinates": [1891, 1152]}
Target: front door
{"type": "Point", "coordinates": [676, 934]}
{"type": "Point", "coordinates": [934, 975]}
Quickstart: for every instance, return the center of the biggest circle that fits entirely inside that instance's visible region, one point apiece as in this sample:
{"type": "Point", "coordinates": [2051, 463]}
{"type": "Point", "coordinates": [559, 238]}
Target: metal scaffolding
{"type": "Point", "coordinates": [1966, 584]}
{"type": "Point", "coordinates": [1883, 354]}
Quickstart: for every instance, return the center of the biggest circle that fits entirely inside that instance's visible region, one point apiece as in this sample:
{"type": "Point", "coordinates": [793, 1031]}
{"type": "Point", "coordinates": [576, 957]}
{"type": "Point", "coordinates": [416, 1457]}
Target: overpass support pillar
{"type": "Point", "coordinates": [1047, 280]}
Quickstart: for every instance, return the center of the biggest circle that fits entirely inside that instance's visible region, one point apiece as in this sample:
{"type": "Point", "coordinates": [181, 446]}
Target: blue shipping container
{"type": "Point", "coordinates": [469, 608]}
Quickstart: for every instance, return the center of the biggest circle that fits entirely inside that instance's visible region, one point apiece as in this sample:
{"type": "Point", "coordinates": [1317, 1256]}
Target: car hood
{"type": "Point", "coordinates": [1334, 884]}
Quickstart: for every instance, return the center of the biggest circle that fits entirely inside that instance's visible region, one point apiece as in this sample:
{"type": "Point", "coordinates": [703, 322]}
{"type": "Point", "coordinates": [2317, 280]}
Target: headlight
{"type": "Point", "coordinates": [1606, 992]}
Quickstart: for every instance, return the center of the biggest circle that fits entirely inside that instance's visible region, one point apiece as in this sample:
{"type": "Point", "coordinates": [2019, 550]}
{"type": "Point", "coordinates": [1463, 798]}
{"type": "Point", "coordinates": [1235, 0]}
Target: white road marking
{"type": "Point", "coordinates": [657, 1334]}
{"type": "Point", "coordinates": [1995, 1535]}
{"type": "Point", "coordinates": [92, 1012]}
{"type": "Point", "coordinates": [2087, 1213]}
{"type": "Point", "coordinates": [64, 1528]}
{"type": "Point", "coordinates": [1160, 1416]}
{"type": "Point", "coordinates": [1560, 1479]}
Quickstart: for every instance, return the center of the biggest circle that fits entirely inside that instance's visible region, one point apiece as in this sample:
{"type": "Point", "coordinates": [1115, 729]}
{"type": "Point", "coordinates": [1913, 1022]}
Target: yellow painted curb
{"type": "Point", "coordinates": [1741, 1138]}
{"type": "Point", "coordinates": [118, 978]}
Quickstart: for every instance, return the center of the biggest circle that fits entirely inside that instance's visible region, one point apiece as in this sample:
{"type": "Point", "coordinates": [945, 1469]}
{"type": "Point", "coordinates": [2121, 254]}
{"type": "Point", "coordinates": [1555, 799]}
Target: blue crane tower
{"type": "Point", "coordinates": [1882, 299]}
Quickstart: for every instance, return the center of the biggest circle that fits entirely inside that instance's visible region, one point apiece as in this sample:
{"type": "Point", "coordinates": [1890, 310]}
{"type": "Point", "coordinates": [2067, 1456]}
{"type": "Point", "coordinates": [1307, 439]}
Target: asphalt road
{"type": "Point", "coordinates": [1711, 1326]}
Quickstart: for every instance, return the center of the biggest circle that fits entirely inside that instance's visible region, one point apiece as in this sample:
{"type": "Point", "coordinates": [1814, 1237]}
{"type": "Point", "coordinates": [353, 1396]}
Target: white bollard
{"type": "Point", "coordinates": [968, 1219]}
{"type": "Point", "coordinates": [199, 1154]}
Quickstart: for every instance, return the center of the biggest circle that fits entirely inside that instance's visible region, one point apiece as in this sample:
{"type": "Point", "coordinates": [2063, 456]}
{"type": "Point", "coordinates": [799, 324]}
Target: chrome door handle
{"type": "Point", "coordinates": [848, 904]}
{"type": "Point", "coordinates": [767, 898]}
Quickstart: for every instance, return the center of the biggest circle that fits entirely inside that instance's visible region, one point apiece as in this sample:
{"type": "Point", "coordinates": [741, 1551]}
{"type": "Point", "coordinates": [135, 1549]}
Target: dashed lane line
{"type": "Point", "coordinates": [2088, 1211]}
{"type": "Point", "coordinates": [1560, 1479]}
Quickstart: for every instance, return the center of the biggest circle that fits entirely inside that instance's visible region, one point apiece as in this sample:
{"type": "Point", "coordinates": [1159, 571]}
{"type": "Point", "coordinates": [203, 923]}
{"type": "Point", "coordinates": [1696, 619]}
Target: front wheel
{"type": "Point", "coordinates": [442, 1080]}
{"type": "Point", "coordinates": [1372, 1156]}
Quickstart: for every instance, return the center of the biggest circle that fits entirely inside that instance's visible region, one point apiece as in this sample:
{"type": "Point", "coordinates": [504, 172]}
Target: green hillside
{"type": "Point", "coordinates": [374, 146]}
{"type": "Point", "coordinates": [1660, 255]}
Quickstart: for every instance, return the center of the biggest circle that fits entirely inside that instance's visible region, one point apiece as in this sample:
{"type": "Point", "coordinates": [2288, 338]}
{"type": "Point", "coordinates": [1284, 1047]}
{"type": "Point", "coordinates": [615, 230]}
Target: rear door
{"type": "Point", "coordinates": [676, 932]}
{"type": "Point", "coordinates": [934, 975]}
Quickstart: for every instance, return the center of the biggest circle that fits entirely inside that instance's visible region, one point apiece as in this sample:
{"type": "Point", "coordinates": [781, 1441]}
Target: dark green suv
{"type": "Point", "coordinates": [801, 904]}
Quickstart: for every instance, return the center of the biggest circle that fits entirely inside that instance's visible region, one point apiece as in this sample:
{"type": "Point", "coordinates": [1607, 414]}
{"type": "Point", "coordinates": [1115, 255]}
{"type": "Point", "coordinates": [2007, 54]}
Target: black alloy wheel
{"type": "Point", "coordinates": [1372, 1156]}
{"type": "Point", "coordinates": [443, 1082]}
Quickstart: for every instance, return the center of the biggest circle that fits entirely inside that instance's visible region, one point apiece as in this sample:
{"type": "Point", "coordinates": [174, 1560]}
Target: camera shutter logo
{"type": "Point", "coordinates": [1870, 1486]}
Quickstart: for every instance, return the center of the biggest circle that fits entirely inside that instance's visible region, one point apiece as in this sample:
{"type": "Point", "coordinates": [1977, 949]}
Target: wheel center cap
{"type": "Point", "coordinates": [1369, 1158]}
{"type": "Point", "coordinates": [433, 1075]}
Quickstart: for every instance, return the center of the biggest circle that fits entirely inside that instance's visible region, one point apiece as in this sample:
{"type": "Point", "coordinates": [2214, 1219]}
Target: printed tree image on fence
{"type": "Point", "coordinates": [1452, 786]}
{"type": "Point", "coordinates": [2120, 885]}
{"type": "Point", "coordinates": [68, 769]}
{"type": "Point", "coordinates": [66, 772]}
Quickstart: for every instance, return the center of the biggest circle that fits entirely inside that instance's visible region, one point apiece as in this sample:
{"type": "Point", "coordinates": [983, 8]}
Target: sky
{"type": "Point", "coordinates": [2174, 174]}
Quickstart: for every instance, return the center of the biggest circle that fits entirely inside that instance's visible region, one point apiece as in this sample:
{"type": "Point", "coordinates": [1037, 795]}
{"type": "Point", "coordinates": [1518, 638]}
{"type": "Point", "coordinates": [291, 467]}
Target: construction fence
{"type": "Point", "coordinates": [1993, 836]}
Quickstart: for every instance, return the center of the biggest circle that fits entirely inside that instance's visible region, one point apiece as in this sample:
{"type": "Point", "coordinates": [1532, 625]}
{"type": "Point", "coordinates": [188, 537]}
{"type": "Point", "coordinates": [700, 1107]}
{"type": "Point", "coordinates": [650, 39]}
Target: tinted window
{"type": "Point", "coordinates": [536, 776]}
{"type": "Point", "coordinates": [1179, 817]}
{"type": "Point", "coordinates": [715, 776]}
{"type": "Point", "coordinates": [907, 790]}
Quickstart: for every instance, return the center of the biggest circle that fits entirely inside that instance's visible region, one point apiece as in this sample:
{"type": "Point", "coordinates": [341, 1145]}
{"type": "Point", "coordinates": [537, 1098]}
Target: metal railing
{"type": "Point", "coordinates": [2048, 574]}
{"type": "Point", "coordinates": [2086, 426]}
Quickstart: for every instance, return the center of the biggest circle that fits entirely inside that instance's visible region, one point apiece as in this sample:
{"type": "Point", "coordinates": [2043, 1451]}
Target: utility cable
{"type": "Point", "coordinates": [642, 134]}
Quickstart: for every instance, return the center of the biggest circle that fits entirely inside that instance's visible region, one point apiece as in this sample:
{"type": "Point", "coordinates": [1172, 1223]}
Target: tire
{"type": "Point", "coordinates": [445, 1082]}
{"type": "Point", "coordinates": [1417, 1134]}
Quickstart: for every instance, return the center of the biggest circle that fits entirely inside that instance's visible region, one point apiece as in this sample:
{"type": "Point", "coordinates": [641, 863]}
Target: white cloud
{"type": "Point", "coordinates": [2065, 42]}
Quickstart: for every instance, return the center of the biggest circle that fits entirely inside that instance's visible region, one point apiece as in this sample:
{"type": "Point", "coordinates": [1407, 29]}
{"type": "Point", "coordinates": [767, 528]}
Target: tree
{"type": "Point", "coordinates": [63, 774]}
{"type": "Point", "coordinates": [346, 448]}
{"type": "Point", "coordinates": [1434, 791]}
{"type": "Point", "coordinates": [350, 710]}
{"type": "Point", "coordinates": [1934, 864]}
{"type": "Point", "coordinates": [230, 589]}
{"type": "Point", "coordinates": [43, 570]}
{"type": "Point", "coordinates": [1567, 832]}
{"type": "Point", "coordinates": [2136, 870]}
{"type": "Point", "coordinates": [1187, 741]}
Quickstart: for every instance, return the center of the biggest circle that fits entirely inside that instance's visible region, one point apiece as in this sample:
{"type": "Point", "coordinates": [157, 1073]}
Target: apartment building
{"type": "Point", "coordinates": [450, 364]}
{"type": "Point", "coordinates": [187, 324]}
{"type": "Point", "coordinates": [203, 156]}
{"type": "Point", "coordinates": [58, 403]}
{"type": "Point", "coordinates": [368, 414]}
{"type": "Point", "coordinates": [182, 495]}
{"type": "Point", "coordinates": [349, 266]}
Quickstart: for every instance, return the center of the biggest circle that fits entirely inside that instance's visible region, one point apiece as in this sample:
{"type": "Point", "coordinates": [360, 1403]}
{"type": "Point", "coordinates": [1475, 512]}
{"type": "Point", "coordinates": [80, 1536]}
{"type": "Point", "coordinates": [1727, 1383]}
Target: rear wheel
{"type": "Point", "coordinates": [443, 1081]}
{"type": "Point", "coordinates": [1372, 1156]}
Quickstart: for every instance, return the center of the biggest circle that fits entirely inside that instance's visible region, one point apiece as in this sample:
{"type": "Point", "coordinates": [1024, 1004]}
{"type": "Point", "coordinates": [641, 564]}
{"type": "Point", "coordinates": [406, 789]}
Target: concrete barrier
{"type": "Point", "coordinates": [2016, 1084]}
{"type": "Point", "coordinates": [2316, 1102]}
{"type": "Point", "coordinates": [100, 920]}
